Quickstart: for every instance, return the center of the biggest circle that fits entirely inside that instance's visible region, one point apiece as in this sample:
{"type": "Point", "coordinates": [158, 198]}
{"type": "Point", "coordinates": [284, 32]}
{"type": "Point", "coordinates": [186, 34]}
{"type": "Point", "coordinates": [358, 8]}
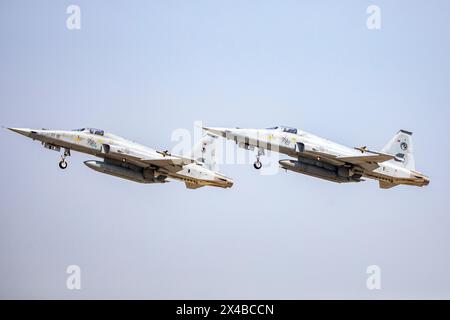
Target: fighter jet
{"type": "Point", "coordinates": [322, 158]}
{"type": "Point", "coordinates": [129, 160]}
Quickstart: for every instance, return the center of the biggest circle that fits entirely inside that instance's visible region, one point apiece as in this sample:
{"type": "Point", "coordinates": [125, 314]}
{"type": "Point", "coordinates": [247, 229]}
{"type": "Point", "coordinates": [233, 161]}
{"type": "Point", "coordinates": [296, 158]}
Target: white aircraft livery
{"type": "Point", "coordinates": [129, 160]}
{"type": "Point", "coordinates": [322, 158]}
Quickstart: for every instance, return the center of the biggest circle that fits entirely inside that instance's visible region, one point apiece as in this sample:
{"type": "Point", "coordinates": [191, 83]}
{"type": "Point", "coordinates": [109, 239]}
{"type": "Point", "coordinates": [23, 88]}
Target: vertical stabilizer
{"type": "Point", "coordinates": [401, 147]}
{"type": "Point", "coordinates": [205, 151]}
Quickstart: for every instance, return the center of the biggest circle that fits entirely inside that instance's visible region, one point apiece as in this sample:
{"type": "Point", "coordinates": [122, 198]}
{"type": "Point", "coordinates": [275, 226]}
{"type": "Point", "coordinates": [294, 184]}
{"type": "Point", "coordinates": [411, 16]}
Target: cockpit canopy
{"type": "Point", "coordinates": [284, 129]}
{"type": "Point", "coordinates": [98, 132]}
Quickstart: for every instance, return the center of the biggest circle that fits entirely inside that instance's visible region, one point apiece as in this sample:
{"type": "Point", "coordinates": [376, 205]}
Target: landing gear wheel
{"type": "Point", "coordinates": [257, 165]}
{"type": "Point", "coordinates": [63, 164]}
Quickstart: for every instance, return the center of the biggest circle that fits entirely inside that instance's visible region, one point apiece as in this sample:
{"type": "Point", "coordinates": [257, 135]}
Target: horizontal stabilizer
{"type": "Point", "coordinates": [387, 185]}
{"type": "Point", "coordinates": [191, 185]}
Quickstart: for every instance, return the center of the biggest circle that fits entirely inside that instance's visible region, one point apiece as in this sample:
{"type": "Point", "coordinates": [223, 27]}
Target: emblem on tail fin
{"type": "Point", "coordinates": [404, 146]}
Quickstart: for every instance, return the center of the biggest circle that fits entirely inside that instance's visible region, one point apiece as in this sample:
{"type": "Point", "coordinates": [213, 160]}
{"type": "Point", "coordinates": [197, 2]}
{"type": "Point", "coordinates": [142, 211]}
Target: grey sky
{"type": "Point", "coordinates": [141, 69]}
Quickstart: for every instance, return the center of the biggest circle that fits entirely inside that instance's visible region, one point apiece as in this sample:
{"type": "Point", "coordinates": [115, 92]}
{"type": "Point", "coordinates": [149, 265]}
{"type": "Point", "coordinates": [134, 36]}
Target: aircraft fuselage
{"type": "Point", "coordinates": [130, 156]}
{"type": "Point", "coordinates": [319, 157]}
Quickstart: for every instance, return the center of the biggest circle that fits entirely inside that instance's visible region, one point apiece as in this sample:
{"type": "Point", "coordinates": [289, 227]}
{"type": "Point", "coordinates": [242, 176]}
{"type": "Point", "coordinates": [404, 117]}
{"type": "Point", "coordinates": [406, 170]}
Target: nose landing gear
{"type": "Point", "coordinates": [258, 165]}
{"type": "Point", "coordinates": [63, 163]}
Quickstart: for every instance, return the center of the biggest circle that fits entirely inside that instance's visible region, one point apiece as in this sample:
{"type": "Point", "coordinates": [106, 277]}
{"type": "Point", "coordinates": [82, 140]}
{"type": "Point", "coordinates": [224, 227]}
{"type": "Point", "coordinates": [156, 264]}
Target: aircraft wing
{"type": "Point", "coordinates": [368, 162]}
{"type": "Point", "coordinates": [165, 159]}
{"type": "Point", "coordinates": [168, 160]}
{"type": "Point", "coordinates": [366, 159]}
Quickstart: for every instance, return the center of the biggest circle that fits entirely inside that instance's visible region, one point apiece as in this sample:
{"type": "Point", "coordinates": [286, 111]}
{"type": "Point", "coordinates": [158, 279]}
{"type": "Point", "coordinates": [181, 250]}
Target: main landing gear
{"type": "Point", "coordinates": [63, 163]}
{"type": "Point", "coordinates": [258, 165]}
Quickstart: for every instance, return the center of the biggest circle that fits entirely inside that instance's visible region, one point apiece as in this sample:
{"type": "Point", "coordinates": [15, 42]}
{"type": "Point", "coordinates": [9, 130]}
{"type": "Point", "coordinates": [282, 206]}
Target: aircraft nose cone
{"type": "Point", "coordinates": [221, 132]}
{"type": "Point", "coordinates": [22, 131]}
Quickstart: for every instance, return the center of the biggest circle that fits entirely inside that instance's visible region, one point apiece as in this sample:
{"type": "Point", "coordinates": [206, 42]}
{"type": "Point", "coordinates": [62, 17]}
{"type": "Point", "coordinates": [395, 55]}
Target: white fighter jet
{"type": "Point", "coordinates": [328, 160]}
{"type": "Point", "coordinates": [129, 160]}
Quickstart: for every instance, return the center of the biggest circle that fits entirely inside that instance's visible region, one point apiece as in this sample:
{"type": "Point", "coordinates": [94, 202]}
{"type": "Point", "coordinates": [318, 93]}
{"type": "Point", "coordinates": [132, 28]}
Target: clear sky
{"type": "Point", "coordinates": [141, 69]}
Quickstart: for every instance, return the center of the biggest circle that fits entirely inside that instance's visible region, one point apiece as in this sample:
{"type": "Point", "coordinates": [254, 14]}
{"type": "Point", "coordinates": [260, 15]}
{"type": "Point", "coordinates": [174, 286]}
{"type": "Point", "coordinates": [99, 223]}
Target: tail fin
{"type": "Point", "coordinates": [205, 151]}
{"type": "Point", "coordinates": [401, 147]}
